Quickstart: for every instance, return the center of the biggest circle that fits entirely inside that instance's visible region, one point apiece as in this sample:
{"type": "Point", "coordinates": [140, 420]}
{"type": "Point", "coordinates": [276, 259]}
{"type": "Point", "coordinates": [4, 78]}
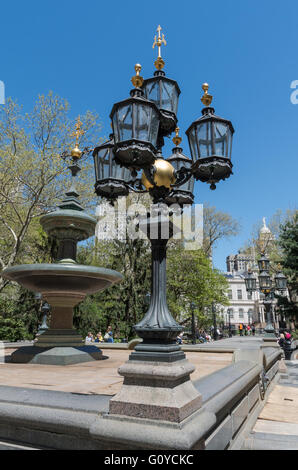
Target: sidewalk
{"type": "Point", "coordinates": [277, 425]}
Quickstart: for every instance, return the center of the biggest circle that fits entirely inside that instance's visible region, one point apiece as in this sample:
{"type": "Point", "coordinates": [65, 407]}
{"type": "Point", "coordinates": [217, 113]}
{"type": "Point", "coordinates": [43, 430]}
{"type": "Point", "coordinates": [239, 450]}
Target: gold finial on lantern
{"type": "Point", "coordinates": [177, 139]}
{"type": "Point", "coordinates": [137, 80]}
{"type": "Point", "coordinates": [206, 98]}
{"type": "Point", "coordinates": [77, 133]}
{"type": "Point", "coordinates": [158, 41]}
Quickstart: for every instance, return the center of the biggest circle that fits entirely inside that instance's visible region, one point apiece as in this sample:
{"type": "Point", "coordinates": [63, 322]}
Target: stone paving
{"type": "Point", "coordinates": [96, 377]}
{"type": "Point", "coordinates": [277, 425]}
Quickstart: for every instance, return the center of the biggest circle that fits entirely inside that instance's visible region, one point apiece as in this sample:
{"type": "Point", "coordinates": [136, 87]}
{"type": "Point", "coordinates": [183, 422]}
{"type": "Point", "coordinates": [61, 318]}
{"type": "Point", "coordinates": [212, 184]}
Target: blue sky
{"type": "Point", "coordinates": [247, 51]}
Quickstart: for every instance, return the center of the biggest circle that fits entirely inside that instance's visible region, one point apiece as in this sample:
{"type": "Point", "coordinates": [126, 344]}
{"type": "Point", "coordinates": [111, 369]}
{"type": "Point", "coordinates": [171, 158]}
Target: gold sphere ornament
{"type": "Point", "coordinates": [76, 153]}
{"type": "Point", "coordinates": [163, 174]}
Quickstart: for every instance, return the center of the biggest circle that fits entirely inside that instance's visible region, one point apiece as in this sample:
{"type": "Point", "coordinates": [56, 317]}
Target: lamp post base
{"type": "Point", "coordinates": [156, 390]}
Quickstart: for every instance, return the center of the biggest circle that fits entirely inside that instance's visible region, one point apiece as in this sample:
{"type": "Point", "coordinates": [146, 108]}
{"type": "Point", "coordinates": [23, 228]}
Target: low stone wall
{"type": "Point", "coordinates": [232, 398]}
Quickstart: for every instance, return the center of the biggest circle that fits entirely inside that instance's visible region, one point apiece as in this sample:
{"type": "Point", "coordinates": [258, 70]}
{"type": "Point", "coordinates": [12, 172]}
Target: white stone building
{"type": "Point", "coordinates": [244, 307]}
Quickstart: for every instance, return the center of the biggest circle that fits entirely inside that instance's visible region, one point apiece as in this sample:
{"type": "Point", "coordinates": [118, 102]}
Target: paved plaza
{"type": "Point", "coordinates": [96, 377]}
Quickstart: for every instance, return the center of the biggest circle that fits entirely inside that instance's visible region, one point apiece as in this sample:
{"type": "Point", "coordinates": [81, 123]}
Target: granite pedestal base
{"type": "Point", "coordinates": [156, 390]}
{"type": "Point", "coordinates": [59, 356]}
{"type": "Point", "coordinates": [59, 347]}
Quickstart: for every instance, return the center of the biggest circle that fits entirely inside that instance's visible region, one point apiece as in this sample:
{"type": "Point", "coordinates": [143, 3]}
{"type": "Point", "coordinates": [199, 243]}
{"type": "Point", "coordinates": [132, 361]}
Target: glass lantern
{"type": "Point", "coordinates": [182, 194]}
{"type": "Point", "coordinates": [135, 124]}
{"type": "Point", "coordinates": [164, 92]}
{"type": "Point", "coordinates": [210, 141]}
{"type": "Point", "coordinates": [280, 281]}
{"type": "Point", "coordinates": [265, 281]}
{"type": "Point", "coordinates": [250, 282]}
{"type": "Point", "coordinates": [263, 263]}
{"type": "Point", "coordinates": [111, 178]}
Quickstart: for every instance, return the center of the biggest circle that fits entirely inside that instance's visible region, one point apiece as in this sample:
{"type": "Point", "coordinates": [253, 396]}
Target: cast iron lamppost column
{"type": "Point", "coordinates": [140, 124]}
{"type": "Point", "coordinates": [214, 321]}
{"type": "Point", "coordinates": [193, 326]}
{"type": "Point", "coordinates": [267, 288]}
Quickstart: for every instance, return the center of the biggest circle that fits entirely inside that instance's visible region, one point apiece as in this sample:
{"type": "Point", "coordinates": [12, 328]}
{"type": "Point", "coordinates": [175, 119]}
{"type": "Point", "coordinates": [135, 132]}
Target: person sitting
{"type": "Point", "coordinates": [281, 340]}
{"type": "Point", "coordinates": [108, 337]}
{"type": "Point", "coordinates": [89, 338]}
{"type": "Point", "coordinates": [99, 338]}
{"type": "Point", "coordinates": [179, 338]}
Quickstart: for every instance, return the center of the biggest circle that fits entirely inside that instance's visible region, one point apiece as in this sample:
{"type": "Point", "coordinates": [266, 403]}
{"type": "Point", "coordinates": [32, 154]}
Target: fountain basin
{"type": "Point", "coordinates": [62, 285]}
{"type": "Point", "coordinates": [68, 224]}
{"type": "Point", "coordinates": [76, 279]}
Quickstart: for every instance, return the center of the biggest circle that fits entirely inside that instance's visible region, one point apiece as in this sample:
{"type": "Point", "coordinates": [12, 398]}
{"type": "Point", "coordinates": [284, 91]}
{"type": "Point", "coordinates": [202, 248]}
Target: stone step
{"type": "Point", "coordinates": [252, 443]}
{"type": "Point", "coordinates": [9, 445]}
{"type": "Point", "coordinates": [272, 435]}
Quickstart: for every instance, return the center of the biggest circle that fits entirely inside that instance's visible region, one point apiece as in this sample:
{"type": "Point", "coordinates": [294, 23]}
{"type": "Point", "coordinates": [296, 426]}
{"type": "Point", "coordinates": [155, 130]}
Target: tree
{"type": "Point", "coordinates": [122, 305]}
{"type": "Point", "coordinates": [191, 278]}
{"type": "Point", "coordinates": [216, 226]}
{"type": "Point", "coordinates": [33, 177]}
{"type": "Point", "coordinates": [288, 241]}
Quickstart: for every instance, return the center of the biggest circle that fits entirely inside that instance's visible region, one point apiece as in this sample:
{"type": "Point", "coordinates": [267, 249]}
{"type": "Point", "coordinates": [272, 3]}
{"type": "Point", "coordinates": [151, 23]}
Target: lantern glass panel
{"type": "Point", "coordinates": [103, 164]}
{"type": "Point", "coordinates": [152, 92]}
{"type": "Point", "coordinates": [179, 163]}
{"type": "Point", "coordinates": [106, 166]}
{"type": "Point", "coordinates": [221, 139]}
{"type": "Point", "coordinates": [154, 125]}
{"type": "Point", "coordinates": [169, 97]}
{"type": "Point", "coordinates": [142, 122]}
{"type": "Point", "coordinates": [204, 137]}
{"type": "Point", "coordinates": [193, 144]}
{"type": "Point", "coordinates": [124, 119]}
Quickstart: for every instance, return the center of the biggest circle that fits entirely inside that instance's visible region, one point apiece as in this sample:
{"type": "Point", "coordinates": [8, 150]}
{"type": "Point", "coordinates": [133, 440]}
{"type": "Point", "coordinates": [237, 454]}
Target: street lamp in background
{"type": "Point", "coordinates": [268, 287]}
{"type": "Point", "coordinates": [215, 335]}
{"type": "Point", "coordinates": [193, 326]}
{"type": "Point", "coordinates": [229, 317]}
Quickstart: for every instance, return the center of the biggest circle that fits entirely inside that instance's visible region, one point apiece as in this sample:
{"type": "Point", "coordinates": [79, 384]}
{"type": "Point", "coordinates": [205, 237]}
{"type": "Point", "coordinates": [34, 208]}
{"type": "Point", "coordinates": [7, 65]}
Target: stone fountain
{"type": "Point", "coordinates": [65, 283]}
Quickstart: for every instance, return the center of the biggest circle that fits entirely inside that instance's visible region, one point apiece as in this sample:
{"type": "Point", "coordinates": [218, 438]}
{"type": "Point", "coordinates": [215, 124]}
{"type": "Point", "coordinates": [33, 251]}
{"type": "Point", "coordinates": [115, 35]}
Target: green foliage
{"type": "Point", "coordinates": [191, 278]}
{"type": "Point", "coordinates": [12, 330]}
{"type": "Point", "coordinates": [288, 240]}
{"type": "Point", "coordinates": [123, 305]}
{"type": "Point", "coordinates": [33, 176]}
{"type": "Point", "coordinates": [21, 308]}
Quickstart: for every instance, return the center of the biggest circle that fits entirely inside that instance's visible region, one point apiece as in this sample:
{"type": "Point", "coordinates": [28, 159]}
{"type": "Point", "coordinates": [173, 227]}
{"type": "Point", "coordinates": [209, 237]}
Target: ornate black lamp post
{"type": "Point", "coordinates": [229, 317]}
{"type": "Point", "coordinates": [193, 326]}
{"type": "Point", "coordinates": [140, 124]}
{"type": "Point", "coordinates": [267, 288]}
{"type": "Point", "coordinates": [214, 322]}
